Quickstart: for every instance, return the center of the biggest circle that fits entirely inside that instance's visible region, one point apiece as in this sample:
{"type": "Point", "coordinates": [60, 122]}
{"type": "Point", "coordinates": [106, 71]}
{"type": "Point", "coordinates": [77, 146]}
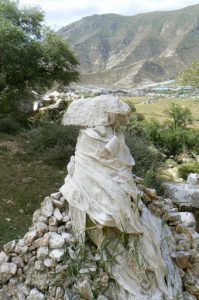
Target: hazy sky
{"type": "Point", "coordinates": [62, 12]}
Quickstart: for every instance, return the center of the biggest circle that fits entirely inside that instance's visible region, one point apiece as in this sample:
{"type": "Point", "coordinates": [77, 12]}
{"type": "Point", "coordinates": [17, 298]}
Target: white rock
{"type": "Point", "coordinates": [193, 178]}
{"type": "Point", "coordinates": [53, 221]}
{"type": "Point", "coordinates": [3, 257]}
{"type": "Point", "coordinates": [61, 229]}
{"type": "Point", "coordinates": [53, 228]}
{"type": "Point", "coordinates": [57, 254]}
{"type": "Point", "coordinates": [59, 293]}
{"type": "Point", "coordinates": [188, 219]}
{"type": "Point", "coordinates": [43, 219]}
{"type": "Point", "coordinates": [56, 241]}
{"type": "Point", "coordinates": [18, 260]}
{"type": "Point", "coordinates": [183, 194]}
{"type": "Point", "coordinates": [68, 238]}
{"type": "Point", "coordinates": [21, 247]}
{"type": "Point", "coordinates": [41, 228]}
{"type": "Point", "coordinates": [9, 268]}
{"type": "Point", "coordinates": [63, 200]}
{"type": "Point", "coordinates": [27, 256]}
{"type": "Point", "coordinates": [9, 247]}
{"type": "Point", "coordinates": [68, 225]}
{"type": "Point", "coordinates": [65, 219]}
{"type": "Point", "coordinates": [101, 297]}
{"type": "Point", "coordinates": [42, 252]}
{"type": "Point", "coordinates": [39, 280]}
{"type": "Point", "coordinates": [31, 261]}
{"type": "Point", "coordinates": [35, 295]}
{"type": "Point", "coordinates": [49, 262]}
{"type": "Point", "coordinates": [25, 290]}
{"type": "Point", "coordinates": [84, 289]}
{"type": "Point", "coordinates": [36, 216]}
{"type": "Point", "coordinates": [57, 214]}
{"type": "Point", "coordinates": [58, 203]}
{"type": "Point", "coordinates": [39, 265]}
{"type": "Point", "coordinates": [47, 207]}
{"type": "Point", "coordinates": [41, 242]}
{"type": "Point", "coordinates": [29, 237]}
{"type": "Point", "coordinates": [21, 296]}
{"type": "Point", "coordinates": [56, 196]}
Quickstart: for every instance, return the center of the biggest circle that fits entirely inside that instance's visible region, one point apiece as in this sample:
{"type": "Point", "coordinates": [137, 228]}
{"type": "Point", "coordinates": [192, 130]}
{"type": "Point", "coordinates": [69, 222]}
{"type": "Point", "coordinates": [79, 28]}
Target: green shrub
{"type": "Point", "coordinates": [151, 179]}
{"type": "Point", "coordinates": [185, 169]}
{"type": "Point", "coordinates": [52, 142]}
{"type": "Point", "coordinates": [145, 155]}
{"type": "Point", "coordinates": [9, 125]}
{"type": "Point", "coordinates": [172, 140]}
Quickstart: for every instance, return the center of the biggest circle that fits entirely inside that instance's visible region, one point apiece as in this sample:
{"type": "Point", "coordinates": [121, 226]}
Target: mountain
{"type": "Point", "coordinates": [126, 51]}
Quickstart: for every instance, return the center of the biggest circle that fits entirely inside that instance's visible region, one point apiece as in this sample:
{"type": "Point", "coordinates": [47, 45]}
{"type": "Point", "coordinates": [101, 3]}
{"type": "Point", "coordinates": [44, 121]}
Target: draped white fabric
{"type": "Point", "coordinates": [100, 182]}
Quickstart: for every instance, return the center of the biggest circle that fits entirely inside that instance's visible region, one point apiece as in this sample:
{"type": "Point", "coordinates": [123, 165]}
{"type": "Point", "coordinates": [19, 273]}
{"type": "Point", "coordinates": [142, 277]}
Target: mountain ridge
{"type": "Point", "coordinates": [126, 51]}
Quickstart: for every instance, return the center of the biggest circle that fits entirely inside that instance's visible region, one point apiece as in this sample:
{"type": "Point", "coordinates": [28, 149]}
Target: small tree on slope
{"type": "Point", "coordinates": [32, 57]}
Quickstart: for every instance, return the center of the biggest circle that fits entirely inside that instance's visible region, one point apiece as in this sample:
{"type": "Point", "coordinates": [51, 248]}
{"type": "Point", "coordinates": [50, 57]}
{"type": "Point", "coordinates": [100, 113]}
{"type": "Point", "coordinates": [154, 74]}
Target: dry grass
{"type": "Point", "coordinates": [24, 182]}
{"type": "Point", "coordinates": [157, 110]}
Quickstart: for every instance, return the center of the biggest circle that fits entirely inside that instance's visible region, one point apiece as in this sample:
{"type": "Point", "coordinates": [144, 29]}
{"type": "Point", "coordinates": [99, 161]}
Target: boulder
{"type": "Point", "coordinates": [3, 257]}
{"type": "Point", "coordinates": [57, 254]}
{"type": "Point", "coordinates": [188, 220]}
{"type": "Point", "coordinates": [42, 252]}
{"type": "Point", "coordinates": [9, 247]}
{"type": "Point", "coordinates": [193, 179]}
{"type": "Point", "coordinates": [56, 241]}
{"type": "Point", "coordinates": [35, 295]}
{"type": "Point", "coordinates": [183, 194]}
{"type": "Point", "coordinates": [47, 207]}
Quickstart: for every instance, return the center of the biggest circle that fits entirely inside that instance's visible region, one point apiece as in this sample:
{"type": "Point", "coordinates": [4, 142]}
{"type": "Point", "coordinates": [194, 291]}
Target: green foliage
{"type": "Point", "coordinates": [190, 76]}
{"type": "Point", "coordinates": [145, 155]}
{"type": "Point", "coordinates": [151, 179]}
{"type": "Point", "coordinates": [180, 116]}
{"type": "Point", "coordinates": [173, 137]}
{"type": "Point", "coordinates": [185, 169]}
{"type": "Point", "coordinates": [32, 56]}
{"type": "Point", "coordinates": [52, 142]}
{"type": "Point", "coordinates": [10, 126]}
{"type": "Point", "coordinates": [148, 158]}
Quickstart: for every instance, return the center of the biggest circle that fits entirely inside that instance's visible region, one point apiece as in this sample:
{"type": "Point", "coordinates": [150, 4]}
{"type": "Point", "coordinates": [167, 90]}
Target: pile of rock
{"type": "Point", "coordinates": [28, 266]}
{"type": "Point", "coordinates": [35, 267]}
{"type": "Point", "coordinates": [186, 254]}
{"type": "Point", "coordinates": [48, 263]}
{"type": "Point", "coordinates": [185, 194]}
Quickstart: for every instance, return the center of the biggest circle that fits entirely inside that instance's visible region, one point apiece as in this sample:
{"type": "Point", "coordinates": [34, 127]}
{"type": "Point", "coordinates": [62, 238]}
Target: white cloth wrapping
{"type": "Point", "coordinates": [99, 180]}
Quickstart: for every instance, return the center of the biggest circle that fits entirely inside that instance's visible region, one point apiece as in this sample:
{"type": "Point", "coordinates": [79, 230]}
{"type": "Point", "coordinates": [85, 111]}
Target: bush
{"type": "Point", "coordinates": [9, 125]}
{"type": "Point", "coordinates": [145, 155]}
{"type": "Point", "coordinates": [172, 140]}
{"type": "Point", "coordinates": [151, 179]}
{"type": "Point", "coordinates": [185, 169]}
{"type": "Point", "coordinates": [52, 142]}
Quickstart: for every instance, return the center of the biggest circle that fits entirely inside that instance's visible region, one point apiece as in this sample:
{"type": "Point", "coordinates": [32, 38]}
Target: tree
{"type": "Point", "coordinates": [32, 57]}
{"type": "Point", "coordinates": [181, 116]}
{"type": "Point", "coordinates": [190, 76]}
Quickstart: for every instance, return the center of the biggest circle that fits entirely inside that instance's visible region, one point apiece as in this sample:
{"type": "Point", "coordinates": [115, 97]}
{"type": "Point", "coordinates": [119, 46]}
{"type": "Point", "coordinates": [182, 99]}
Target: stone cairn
{"type": "Point", "coordinates": [51, 262]}
{"type": "Point", "coordinates": [36, 266]}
